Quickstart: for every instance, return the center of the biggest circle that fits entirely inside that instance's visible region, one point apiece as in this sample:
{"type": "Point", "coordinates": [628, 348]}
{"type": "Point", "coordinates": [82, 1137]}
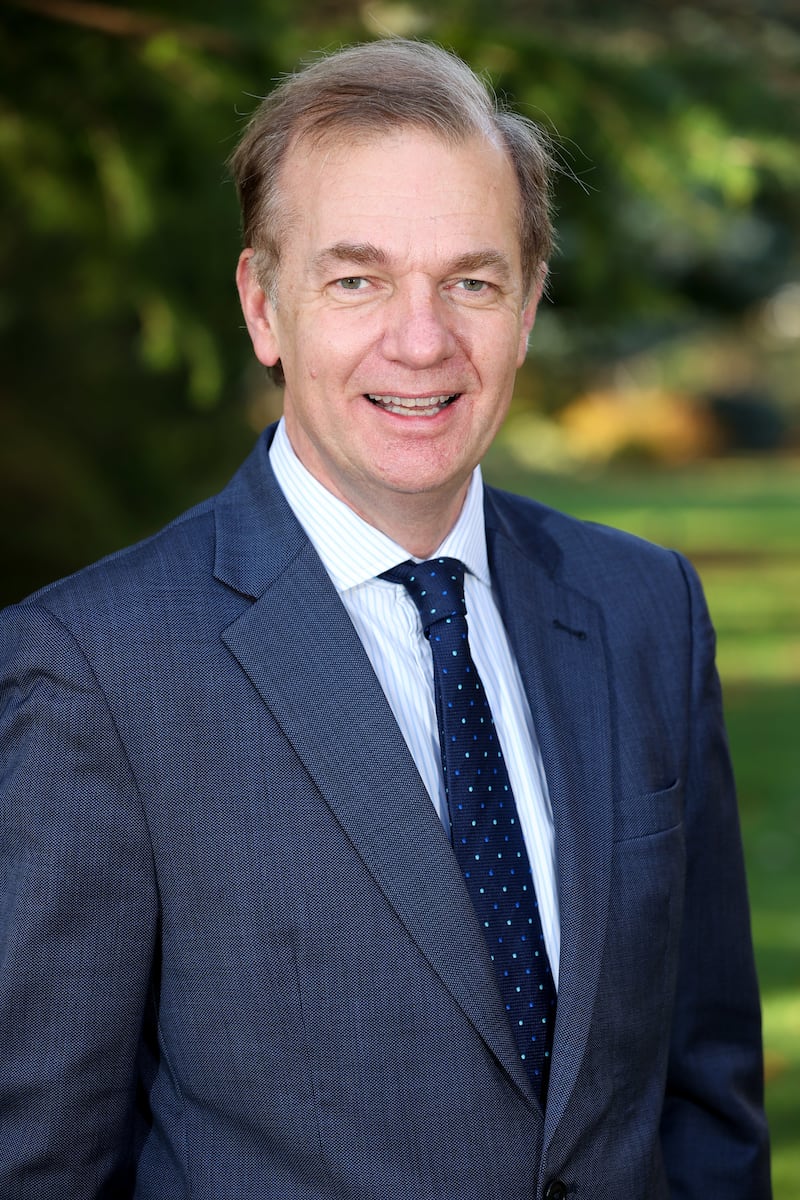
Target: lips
{"type": "Point", "coordinates": [412, 406]}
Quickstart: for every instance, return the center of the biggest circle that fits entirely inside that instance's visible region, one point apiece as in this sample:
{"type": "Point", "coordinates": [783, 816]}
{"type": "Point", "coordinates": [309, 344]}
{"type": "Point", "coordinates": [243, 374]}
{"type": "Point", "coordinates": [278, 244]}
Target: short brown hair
{"type": "Point", "coordinates": [367, 89]}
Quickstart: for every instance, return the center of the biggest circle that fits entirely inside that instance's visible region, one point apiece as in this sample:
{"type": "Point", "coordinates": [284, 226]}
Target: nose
{"type": "Point", "coordinates": [418, 330]}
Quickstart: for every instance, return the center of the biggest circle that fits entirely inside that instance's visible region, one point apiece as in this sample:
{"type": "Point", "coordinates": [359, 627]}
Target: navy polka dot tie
{"type": "Point", "coordinates": [484, 826]}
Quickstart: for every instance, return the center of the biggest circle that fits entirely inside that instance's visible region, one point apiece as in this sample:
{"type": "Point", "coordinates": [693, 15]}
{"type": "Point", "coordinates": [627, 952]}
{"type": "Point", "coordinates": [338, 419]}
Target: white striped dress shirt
{"type": "Point", "coordinates": [386, 620]}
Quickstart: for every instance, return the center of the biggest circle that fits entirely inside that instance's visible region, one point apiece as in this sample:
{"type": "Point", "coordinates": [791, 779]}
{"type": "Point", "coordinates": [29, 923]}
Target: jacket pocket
{"type": "Point", "coordinates": [644, 814]}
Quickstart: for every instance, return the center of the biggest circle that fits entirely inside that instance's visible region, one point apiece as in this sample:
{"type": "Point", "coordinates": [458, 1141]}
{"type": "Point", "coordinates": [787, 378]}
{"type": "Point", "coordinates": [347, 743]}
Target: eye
{"type": "Point", "coordinates": [474, 287]}
{"type": "Point", "coordinates": [351, 283]}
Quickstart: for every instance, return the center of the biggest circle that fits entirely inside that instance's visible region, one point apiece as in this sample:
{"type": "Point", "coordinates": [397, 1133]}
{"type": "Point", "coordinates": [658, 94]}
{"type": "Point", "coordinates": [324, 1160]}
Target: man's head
{"type": "Point", "coordinates": [397, 238]}
{"type": "Point", "coordinates": [373, 89]}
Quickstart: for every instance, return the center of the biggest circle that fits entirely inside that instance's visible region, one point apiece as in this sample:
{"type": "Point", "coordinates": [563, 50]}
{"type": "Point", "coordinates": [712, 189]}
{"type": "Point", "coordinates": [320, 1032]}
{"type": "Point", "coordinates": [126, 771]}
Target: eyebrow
{"type": "Point", "coordinates": [478, 260]}
{"type": "Point", "coordinates": [365, 254]}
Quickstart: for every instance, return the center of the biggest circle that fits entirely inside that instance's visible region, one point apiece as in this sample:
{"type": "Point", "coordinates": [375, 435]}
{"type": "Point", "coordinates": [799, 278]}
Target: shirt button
{"type": "Point", "coordinates": [555, 1190]}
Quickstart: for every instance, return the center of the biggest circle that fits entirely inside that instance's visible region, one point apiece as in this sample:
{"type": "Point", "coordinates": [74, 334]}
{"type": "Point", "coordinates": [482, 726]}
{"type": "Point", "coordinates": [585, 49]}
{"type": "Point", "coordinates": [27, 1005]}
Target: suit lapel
{"type": "Point", "coordinates": [557, 638]}
{"type": "Point", "coordinates": [322, 691]}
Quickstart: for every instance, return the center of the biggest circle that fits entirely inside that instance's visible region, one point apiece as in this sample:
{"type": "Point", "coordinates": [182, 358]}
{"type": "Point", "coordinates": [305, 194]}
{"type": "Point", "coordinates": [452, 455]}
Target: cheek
{"type": "Point", "coordinates": [496, 349]}
{"type": "Point", "coordinates": [325, 356]}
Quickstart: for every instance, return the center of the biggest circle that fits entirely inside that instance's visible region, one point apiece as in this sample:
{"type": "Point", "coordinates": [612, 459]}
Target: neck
{"type": "Point", "coordinates": [418, 523]}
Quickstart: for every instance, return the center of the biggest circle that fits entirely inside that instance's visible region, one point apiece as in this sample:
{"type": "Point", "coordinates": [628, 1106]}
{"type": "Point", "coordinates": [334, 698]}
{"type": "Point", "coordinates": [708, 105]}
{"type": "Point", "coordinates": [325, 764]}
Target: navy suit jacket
{"type": "Point", "coordinates": [237, 956]}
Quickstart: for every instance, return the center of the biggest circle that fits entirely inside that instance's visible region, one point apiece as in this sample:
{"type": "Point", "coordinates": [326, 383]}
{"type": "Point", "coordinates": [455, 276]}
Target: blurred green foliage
{"type": "Point", "coordinates": [128, 387]}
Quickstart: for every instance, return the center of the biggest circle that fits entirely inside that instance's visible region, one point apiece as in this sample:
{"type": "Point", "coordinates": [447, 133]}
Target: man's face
{"type": "Point", "coordinates": [399, 316]}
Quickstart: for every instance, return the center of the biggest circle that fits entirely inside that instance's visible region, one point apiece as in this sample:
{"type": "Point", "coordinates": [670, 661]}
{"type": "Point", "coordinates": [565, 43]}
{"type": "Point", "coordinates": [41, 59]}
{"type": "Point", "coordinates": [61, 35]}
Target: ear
{"type": "Point", "coordinates": [259, 311]}
{"type": "Point", "coordinates": [529, 311]}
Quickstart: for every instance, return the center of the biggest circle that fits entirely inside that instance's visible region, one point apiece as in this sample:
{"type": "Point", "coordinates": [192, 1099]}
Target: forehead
{"type": "Point", "coordinates": [408, 185]}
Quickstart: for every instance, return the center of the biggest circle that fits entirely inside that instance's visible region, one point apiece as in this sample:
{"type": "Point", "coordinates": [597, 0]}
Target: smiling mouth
{"type": "Point", "coordinates": [414, 406]}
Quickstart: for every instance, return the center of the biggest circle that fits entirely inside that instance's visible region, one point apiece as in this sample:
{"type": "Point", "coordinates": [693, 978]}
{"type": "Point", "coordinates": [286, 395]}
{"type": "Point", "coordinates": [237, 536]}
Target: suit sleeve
{"type": "Point", "coordinates": [77, 921]}
{"type": "Point", "coordinates": [713, 1128]}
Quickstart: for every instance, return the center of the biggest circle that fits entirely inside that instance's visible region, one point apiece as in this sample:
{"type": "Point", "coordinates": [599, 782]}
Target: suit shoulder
{"type": "Point", "coordinates": [524, 519]}
{"type": "Point", "coordinates": [642, 590]}
{"type": "Point", "coordinates": [166, 559]}
{"type": "Point", "coordinates": [596, 559]}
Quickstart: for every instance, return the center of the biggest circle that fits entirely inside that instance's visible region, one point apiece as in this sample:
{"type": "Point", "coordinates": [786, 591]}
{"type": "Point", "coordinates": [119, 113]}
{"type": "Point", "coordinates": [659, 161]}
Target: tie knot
{"type": "Point", "coordinates": [435, 586]}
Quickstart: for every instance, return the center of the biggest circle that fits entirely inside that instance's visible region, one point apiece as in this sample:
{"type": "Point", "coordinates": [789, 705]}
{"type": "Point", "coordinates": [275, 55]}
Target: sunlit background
{"type": "Point", "coordinates": [662, 392]}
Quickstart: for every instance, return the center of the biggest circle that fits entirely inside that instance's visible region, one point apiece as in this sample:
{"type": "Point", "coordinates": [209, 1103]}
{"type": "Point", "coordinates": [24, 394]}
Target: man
{"type": "Point", "coordinates": [269, 928]}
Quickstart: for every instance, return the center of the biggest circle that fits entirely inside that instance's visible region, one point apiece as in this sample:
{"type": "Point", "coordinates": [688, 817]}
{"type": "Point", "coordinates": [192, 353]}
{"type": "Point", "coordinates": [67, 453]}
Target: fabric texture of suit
{"type": "Point", "coordinates": [237, 957]}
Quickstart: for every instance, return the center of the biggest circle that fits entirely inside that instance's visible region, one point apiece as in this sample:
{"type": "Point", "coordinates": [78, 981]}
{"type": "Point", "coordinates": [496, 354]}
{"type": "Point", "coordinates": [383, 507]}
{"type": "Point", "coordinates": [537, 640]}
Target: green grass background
{"type": "Point", "coordinates": [739, 523]}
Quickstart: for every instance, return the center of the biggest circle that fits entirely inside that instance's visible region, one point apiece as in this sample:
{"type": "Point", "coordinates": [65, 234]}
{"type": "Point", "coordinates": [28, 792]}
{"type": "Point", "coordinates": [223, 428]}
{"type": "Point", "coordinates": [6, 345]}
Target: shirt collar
{"type": "Point", "coordinates": [352, 550]}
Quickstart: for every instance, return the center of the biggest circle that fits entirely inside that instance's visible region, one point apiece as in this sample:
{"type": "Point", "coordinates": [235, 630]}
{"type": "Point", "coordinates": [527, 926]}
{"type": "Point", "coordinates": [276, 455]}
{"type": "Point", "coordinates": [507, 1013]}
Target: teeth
{"type": "Point", "coordinates": [420, 406]}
